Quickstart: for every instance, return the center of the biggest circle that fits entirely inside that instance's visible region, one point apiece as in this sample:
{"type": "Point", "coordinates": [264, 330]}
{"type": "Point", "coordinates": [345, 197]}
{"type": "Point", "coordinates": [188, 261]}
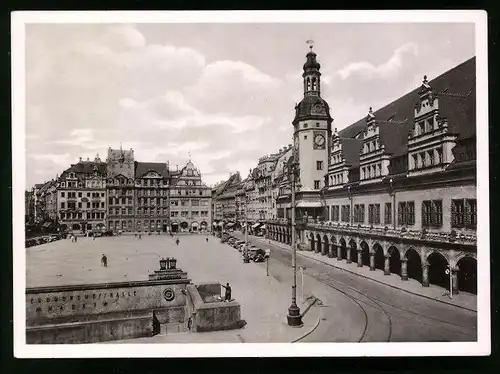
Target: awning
{"type": "Point", "coordinates": [256, 225]}
{"type": "Point", "coordinates": [220, 224]}
{"type": "Point", "coordinates": [263, 227]}
{"type": "Point", "coordinates": [309, 204]}
{"type": "Point", "coordinates": [47, 224]}
{"type": "Point", "coordinates": [230, 224]}
{"type": "Point", "coordinates": [215, 224]}
{"type": "Point", "coordinates": [194, 224]}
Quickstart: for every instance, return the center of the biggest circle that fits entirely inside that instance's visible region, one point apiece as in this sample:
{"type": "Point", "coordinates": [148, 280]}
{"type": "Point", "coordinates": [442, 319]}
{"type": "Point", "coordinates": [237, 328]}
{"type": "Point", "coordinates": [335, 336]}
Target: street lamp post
{"type": "Point", "coordinates": [294, 317]}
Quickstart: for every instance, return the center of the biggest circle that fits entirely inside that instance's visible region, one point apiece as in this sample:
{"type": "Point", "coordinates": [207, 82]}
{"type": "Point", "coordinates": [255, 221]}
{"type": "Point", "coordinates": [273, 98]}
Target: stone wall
{"type": "Point", "coordinates": [212, 316]}
{"type": "Point", "coordinates": [99, 312]}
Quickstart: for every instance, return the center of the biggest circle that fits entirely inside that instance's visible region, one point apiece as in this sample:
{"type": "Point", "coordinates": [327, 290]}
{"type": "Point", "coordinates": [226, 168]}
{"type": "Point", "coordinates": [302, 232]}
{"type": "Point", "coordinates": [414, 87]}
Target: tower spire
{"type": "Point", "coordinates": [311, 73]}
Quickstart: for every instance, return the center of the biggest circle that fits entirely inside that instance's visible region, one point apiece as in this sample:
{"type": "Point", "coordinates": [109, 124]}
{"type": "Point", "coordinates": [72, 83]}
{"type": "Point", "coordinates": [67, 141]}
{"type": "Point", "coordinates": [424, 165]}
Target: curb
{"type": "Point", "coordinates": [376, 280]}
{"type": "Point", "coordinates": [310, 331]}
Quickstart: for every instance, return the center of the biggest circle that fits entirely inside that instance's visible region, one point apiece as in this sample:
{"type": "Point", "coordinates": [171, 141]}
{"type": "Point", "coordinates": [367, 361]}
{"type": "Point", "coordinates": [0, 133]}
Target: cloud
{"type": "Point", "coordinates": [390, 67]}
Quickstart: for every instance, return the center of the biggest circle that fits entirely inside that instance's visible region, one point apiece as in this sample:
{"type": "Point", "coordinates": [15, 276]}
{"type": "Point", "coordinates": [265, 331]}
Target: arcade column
{"type": "Point", "coordinates": [454, 280]}
{"type": "Point", "coordinates": [360, 258]}
{"type": "Point", "coordinates": [348, 257]}
{"type": "Point", "coordinates": [404, 269]}
{"type": "Point", "coordinates": [425, 274]}
{"type": "Point", "coordinates": [372, 261]}
{"type": "Point", "coordinates": [387, 268]}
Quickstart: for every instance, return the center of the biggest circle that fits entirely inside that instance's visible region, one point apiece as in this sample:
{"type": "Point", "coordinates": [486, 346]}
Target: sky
{"type": "Point", "coordinates": [221, 94]}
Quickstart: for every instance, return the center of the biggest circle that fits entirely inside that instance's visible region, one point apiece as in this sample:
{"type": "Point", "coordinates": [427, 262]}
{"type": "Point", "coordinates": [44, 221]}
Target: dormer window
{"type": "Point", "coordinates": [439, 156]}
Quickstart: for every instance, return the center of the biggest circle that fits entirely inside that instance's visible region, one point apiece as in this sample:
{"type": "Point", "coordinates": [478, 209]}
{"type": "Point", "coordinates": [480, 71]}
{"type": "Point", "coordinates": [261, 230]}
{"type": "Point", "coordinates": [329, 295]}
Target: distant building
{"type": "Point", "coordinates": [152, 205]}
{"type": "Point", "coordinates": [190, 201]}
{"type": "Point", "coordinates": [120, 185]}
{"type": "Point", "coordinates": [81, 196]}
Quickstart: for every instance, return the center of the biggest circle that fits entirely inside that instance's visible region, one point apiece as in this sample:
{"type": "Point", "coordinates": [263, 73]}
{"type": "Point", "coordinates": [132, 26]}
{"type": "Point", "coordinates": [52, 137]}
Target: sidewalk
{"type": "Point", "coordinates": [265, 332]}
{"type": "Point", "coordinates": [462, 300]}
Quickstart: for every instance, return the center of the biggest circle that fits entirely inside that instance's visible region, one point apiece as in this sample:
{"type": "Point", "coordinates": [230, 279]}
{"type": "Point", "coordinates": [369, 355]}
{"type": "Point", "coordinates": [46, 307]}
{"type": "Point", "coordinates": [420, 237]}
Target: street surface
{"type": "Point", "coordinates": [372, 312]}
{"type": "Point", "coordinates": [351, 308]}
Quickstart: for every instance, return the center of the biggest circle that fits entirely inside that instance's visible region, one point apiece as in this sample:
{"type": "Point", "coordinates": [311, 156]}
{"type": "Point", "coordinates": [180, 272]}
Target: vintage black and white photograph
{"type": "Point", "coordinates": [192, 179]}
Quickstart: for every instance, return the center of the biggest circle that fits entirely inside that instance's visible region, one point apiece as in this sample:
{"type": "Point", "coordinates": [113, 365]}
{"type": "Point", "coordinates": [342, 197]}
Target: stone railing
{"type": "Point", "coordinates": [444, 237]}
{"type": "Point", "coordinates": [106, 311]}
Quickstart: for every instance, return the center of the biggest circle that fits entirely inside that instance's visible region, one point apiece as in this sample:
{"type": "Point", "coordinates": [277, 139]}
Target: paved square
{"type": "Point", "coordinates": [264, 299]}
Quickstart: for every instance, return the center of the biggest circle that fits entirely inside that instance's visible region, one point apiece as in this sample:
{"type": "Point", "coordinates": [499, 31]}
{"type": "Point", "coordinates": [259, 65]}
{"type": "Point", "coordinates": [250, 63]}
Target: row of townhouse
{"type": "Point", "coordinates": [122, 194]}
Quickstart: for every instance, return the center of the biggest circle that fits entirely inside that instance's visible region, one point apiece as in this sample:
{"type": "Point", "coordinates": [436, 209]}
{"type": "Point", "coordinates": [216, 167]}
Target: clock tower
{"type": "Point", "coordinates": [312, 129]}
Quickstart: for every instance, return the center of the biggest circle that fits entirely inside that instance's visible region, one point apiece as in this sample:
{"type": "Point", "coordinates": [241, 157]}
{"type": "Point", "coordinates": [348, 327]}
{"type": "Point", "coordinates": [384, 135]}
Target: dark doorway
{"type": "Point", "coordinates": [365, 254]}
{"type": "Point", "coordinates": [379, 257]}
{"type": "Point", "coordinates": [343, 249]}
{"type": "Point", "coordinates": [414, 265]}
{"type": "Point", "coordinates": [164, 227]}
{"type": "Point", "coordinates": [354, 251]}
{"type": "Point", "coordinates": [467, 275]}
{"type": "Point", "coordinates": [437, 270]}
{"type": "Point", "coordinates": [175, 227]}
{"type": "Point", "coordinates": [394, 261]}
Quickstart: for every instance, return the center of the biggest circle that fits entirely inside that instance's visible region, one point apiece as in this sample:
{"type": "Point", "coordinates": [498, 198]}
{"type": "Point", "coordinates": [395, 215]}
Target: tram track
{"type": "Point", "coordinates": [327, 281]}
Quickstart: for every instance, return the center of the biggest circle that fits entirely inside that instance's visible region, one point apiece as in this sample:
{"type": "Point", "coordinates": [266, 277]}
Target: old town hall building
{"type": "Point", "coordinates": [396, 190]}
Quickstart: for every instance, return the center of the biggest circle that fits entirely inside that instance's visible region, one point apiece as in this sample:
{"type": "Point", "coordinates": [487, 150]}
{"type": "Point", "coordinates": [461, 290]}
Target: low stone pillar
{"type": "Point", "coordinates": [404, 269]}
{"type": "Point", "coordinates": [372, 261]}
{"type": "Point", "coordinates": [318, 244]}
{"type": "Point", "coordinates": [454, 280]}
{"type": "Point", "coordinates": [387, 267]}
{"type": "Point", "coordinates": [324, 249]}
{"type": "Point", "coordinates": [360, 258]}
{"type": "Point", "coordinates": [425, 275]}
{"type": "Point", "coordinates": [331, 251]}
{"type": "Point", "coordinates": [339, 253]}
{"type": "Point", "coordinates": [348, 257]}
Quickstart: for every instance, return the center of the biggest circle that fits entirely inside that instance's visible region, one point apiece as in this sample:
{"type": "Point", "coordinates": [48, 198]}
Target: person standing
{"type": "Point", "coordinates": [227, 294]}
{"type": "Point", "coordinates": [206, 239]}
{"type": "Point", "coordinates": [177, 241]}
{"type": "Point", "coordinates": [104, 260]}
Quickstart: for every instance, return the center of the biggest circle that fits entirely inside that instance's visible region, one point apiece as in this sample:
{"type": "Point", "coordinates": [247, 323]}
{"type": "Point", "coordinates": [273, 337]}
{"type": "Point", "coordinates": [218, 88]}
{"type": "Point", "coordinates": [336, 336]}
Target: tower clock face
{"type": "Point", "coordinates": [319, 141]}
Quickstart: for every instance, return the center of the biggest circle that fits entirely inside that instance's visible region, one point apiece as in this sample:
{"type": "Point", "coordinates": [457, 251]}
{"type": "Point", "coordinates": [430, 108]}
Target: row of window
{"type": "Point", "coordinates": [152, 201]}
{"type": "Point", "coordinates": [72, 194]}
{"type": "Point", "coordinates": [88, 205]}
{"type": "Point", "coordinates": [152, 192]}
{"type": "Point", "coordinates": [152, 183]}
{"type": "Point", "coordinates": [336, 179]}
{"type": "Point", "coordinates": [190, 192]}
{"type": "Point", "coordinates": [370, 146]}
{"type": "Point", "coordinates": [371, 171]}
{"type": "Point", "coordinates": [120, 192]}
{"type": "Point", "coordinates": [463, 213]}
{"type": "Point", "coordinates": [427, 158]}
{"type": "Point", "coordinates": [120, 200]}
{"type": "Point", "coordinates": [203, 213]}
{"type": "Point", "coordinates": [186, 202]}
{"type": "Point", "coordinates": [87, 215]}
{"type": "Point", "coordinates": [424, 126]}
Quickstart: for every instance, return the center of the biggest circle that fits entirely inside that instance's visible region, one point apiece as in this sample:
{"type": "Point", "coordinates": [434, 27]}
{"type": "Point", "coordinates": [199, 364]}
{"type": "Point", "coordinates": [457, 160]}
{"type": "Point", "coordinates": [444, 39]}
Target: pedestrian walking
{"type": "Point", "coordinates": [93, 237]}
{"type": "Point", "coordinates": [177, 241]}
{"type": "Point", "coordinates": [75, 238]}
{"type": "Point", "coordinates": [140, 236]}
{"type": "Point", "coordinates": [206, 239]}
{"type": "Point", "coordinates": [190, 322]}
{"type": "Point", "coordinates": [104, 260]}
{"type": "Point", "coordinates": [227, 294]}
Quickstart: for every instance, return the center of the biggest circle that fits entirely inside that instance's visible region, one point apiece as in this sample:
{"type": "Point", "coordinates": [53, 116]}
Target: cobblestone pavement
{"type": "Point", "coordinates": [375, 311]}
{"type": "Point", "coordinates": [264, 299]}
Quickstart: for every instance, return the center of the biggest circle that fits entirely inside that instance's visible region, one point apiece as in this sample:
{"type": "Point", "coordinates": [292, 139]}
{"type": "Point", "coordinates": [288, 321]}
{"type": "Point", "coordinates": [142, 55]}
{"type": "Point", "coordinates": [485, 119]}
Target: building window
{"type": "Point", "coordinates": [388, 214]}
{"type": "Point", "coordinates": [374, 214]}
{"type": "Point", "coordinates": [359, 213]}
{"type": "Point", "coordinates": [62, 205]}
{"type": "Point", "coordinates": [316, 185]}
{"type": "Point", "coordinates": [464, 213]}
{"type": "Point", "coordinates": [319, 165]}
{"type": "Point", "coordinates": [305, 137]}
{"type": "Point", "coordinates": [335, 213]}
{"type": "Point", "coordinates": [406, 213]}
{"type": "Point", "coordinates": [432, 213]}
{"type": "Point", "coordinates": [305, 125]}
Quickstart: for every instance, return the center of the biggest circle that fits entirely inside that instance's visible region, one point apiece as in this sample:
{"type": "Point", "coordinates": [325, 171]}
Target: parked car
{"type": "Point", "coordinates": [238, 243]}
{"type": "Point", "coordinates": [108, 233]}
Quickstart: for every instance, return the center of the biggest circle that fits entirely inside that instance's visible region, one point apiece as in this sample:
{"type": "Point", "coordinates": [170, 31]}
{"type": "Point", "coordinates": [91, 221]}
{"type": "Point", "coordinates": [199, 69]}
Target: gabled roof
{"type": "Point", "coordinates": [142, 168]}
{"type": "Point", "coordinates": [350, 150]}
{"type": "Point", "coordinates": [456, 93]}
